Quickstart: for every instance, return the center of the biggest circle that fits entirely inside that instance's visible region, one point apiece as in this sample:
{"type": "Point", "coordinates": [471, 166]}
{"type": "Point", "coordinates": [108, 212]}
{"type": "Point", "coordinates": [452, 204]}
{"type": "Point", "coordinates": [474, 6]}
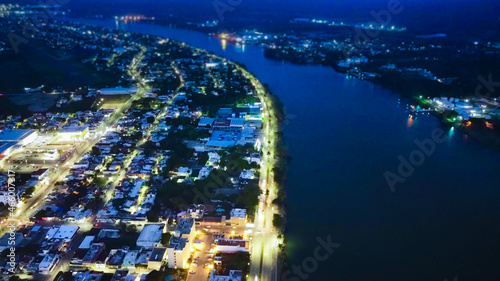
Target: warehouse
{"type": "Point", "coordinates": [12, 139]}
{"type": "Point", "coordinates": [77, 133]}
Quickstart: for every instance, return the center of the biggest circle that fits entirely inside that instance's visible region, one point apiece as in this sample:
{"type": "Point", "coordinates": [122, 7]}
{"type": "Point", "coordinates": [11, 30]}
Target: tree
{"type": "Point", "coordinates": [249, 197]}
{"type": "Point", "coordinates": [152, 215]}
{"type": "Point", "coordinates": [118, 203]}
{"type": "Point", "coordinates": [29, 191]}
{"type": "Point", "coordinates": [278, 221]}
{"type": "Point", "coordinates": [95, 151]}
{"type": "Point", "coordinates": [165, 238]}
{"type": "Point", "coordinates": [132, 228]}
{"type": "Point", "coordinates": [41, 214]}
{"type": "Point", "coordinates": [155, 275]}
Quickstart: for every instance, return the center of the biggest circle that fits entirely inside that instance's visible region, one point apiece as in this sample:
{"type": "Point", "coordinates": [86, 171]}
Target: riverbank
{"type": "Point", "coordinates": [343, 135]}
{"type": "Point", "coordinates": [406, 85]}
{"type": "Point", "coordinates": [476, 131]}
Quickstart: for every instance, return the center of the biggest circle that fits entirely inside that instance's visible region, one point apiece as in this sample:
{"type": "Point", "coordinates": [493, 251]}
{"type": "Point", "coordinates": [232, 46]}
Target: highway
{"type": "Point", "coordinates": [264, 254]}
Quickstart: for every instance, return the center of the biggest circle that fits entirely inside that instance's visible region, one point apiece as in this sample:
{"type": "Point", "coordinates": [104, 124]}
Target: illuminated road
{"type": "Point", "coordinates": [264, 255]}
{"type": "Point", "coordinates": [121, 175]}
{"type": "Point", "coordinates": [57, 173]}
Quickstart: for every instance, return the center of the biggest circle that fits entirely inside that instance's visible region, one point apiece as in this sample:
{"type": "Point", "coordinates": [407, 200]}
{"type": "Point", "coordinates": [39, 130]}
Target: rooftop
{"type": "Point", "coordinates": [15, 135]}
{"type": "Point", "coordinates": [234, 275]}
{"type": "Point", "coordinates": [158, 254]}
{"type": "Point", "coordinates": [66, 232]}
{"type": "Point", "coordinates": [87, 242]}
{"type": "Point", "coordinates": [231, 242]}
{"type": "Point", "coordinates": [184, 226]}
{"type": "Point", "coordinates": [238, 213]}
{"type": "Point", "coordinates": [151, 233]}
{"type": "Point", "coordinates": [178, 243]}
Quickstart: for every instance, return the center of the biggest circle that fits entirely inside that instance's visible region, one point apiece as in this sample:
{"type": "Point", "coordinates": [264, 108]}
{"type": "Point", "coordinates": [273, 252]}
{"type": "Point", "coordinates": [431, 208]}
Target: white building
{"type": "Point", "coordinates": [238, 217]}
{"type": "Point", "coordinates": [204, 172]}
{"type": "Point", "coordinates": [179, 249]}
{"type": "Point", "coordinates": [66, 232]}
{"type": "Point", "coordinates": [213, 158]}
{"type": "Point", "coordinates": [254, 158]}
{"type": "Point", "coordinates": [13, 139]}
{"type": "Point", "coordinates": [150, 236]}
{"type": "Point", "coordinates": [77, 133]}
{"type": "Point", "coordinates": [234, 275]}
{"type": "Point", "coordinates": [48, 263]}
{"type": "Point", "coordinates": [237, 122]}
{"type": "Point", "coordinates": [247, 174]}
{"type": "Point", "coordinates": [184, 172]}
{"type": "Point", "coordinates": [178, 252]}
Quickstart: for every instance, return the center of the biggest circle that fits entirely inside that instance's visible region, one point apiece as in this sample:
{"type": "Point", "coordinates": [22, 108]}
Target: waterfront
{"type": "Point", "coordinates": [342, 135]}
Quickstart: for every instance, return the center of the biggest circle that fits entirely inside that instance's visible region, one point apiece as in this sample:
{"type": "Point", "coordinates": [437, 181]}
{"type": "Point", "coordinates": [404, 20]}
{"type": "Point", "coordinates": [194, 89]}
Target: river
{"type": "Point", "coordinates": [343, 134]}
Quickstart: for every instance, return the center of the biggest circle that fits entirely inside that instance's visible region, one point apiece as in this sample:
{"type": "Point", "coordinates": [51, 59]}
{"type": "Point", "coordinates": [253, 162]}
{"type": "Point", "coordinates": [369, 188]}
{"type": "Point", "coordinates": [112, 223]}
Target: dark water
{"type": "Point", "coordinates": [343, 134]}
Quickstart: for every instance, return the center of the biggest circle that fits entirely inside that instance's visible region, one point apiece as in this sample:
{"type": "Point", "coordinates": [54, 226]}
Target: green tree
{"type": "Point", "coordinates": [278, 221]}
{"type": "Point", "coordinates": [155, 275]}
{"type": "Point", "coordinates": [165, 239]}
{"type": "Point", "coordinates": [29, 191]}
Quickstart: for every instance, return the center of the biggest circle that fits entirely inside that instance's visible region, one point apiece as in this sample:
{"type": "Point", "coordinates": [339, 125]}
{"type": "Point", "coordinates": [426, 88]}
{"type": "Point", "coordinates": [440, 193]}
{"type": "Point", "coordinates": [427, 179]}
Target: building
{"type": "Point", "coordinates": [204, 172]}
{"type": "Point", "coordinates": [40, 175]}
{"type": "Point", "coordinates": [21, 137]}
{"type": "Point", "coordinates": [87, 242]}
{"type": "Point", "coordinates": [184, 172]}
{"type": "Point", "coordinates": [89, 276]}
{"type": "Point", "coordinates": [247, 175]}
{"type": "Point", "coordinates": [123, 275]}
{"type": "Point", "coordinates": [129, 260]}
{"type": "Point", "coordinates": [150, 236]}
{"type": "Point", "coordinates": [231, 246]}
{"type": "Point", "coordinates": [48, 263]}
{"type": "Point", "coordinates": [178, 252]}
{"type": "Point", "coordinates": [115, 258]}
{"type": "Point", "coordinates": [179, 249]}
{"type": "Point", "coordinates": [238, 217]}
{"type": "Point", "coordinates": [234, 275]}
{"type": "Point", "coordinates": [12, 139]}
{"type": "Point", "coordinates": [76, 133]}
{"type": "Point", "coordinates": [237, 122]}
{"type": "Point", "coordinates": [66, 232]}
{"type": "Point", "coordinates": [93, 254]}
{"type": "Point", "coordinates": [157, 257]}
{"type": "Point", "coordinates": [223, 139]}
{"type": "Point", "coordinates": [185, 229]}
{"type": "Point", "coordinates": [206, 122]}
{"type": "Point", "coordinates": [117, 91]}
